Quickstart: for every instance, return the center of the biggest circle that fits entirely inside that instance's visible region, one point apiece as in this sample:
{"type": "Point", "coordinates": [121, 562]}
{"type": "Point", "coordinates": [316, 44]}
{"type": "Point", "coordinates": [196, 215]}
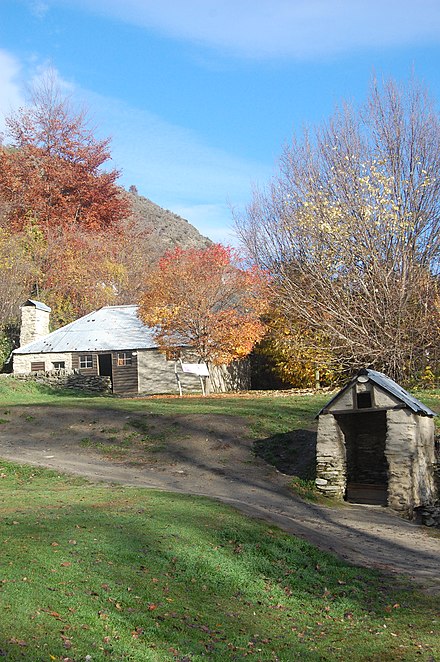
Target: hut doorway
{"type": "Point", "coordinates": [366, 464]}
{"type": "Point", "coordinates": [105, 365]}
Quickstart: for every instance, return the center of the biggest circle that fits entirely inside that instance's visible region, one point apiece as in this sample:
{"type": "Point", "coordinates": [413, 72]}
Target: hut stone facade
{"type": "Point", "coordinates": [376, 445]}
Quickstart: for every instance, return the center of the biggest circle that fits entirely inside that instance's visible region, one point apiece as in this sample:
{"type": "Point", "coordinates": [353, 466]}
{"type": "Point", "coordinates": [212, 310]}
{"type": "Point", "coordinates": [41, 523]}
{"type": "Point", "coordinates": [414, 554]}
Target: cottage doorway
{"type": "Point", "coordinates": [105, 365]}
{"type": "Point", "coordinates": [366, 463]}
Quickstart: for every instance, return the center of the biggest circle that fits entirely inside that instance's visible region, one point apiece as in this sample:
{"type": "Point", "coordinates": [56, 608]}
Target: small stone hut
{"type": "Point", "coordinates": [376, 445]}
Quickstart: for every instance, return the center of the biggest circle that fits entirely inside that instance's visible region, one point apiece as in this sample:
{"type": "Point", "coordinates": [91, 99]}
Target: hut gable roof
{"type": "Point", "coordinates": [385, 384]}
{"type": "Point", "coordinates": [109, 328]}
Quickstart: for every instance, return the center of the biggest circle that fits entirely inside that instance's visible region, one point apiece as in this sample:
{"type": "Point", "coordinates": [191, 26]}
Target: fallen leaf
{"type": "Point", "coordinates": [19, 642]}
{"type": "Point", "coordinates": [55, 614]}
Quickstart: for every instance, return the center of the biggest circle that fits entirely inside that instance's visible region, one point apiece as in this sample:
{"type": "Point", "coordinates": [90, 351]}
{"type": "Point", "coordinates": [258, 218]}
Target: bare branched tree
{"type": "Point", "coordinates": [350, 230]}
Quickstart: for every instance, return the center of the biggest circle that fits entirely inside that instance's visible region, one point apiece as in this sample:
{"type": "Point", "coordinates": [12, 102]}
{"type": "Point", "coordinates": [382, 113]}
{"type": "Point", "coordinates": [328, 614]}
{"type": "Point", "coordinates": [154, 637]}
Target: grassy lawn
{"type": "Point", "coordinates": [90, 572]}
{"type": "Point", "coordinates": [128, 574]}
{"type": "Point", "coordinates": [268, 415]}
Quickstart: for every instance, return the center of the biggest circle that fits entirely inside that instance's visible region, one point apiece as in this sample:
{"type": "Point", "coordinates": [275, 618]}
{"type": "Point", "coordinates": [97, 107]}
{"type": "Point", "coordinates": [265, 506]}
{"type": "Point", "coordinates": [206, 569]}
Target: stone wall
{"type": "Point", "coordinates": [429, 514]}
{"type": "Point", "coordinates": [410, 453]}
{"type": "Point", "coordinates": [64, 379]}
{"type": "Point", "coordinates": [22, 362]}
{"type": "Point", "coordinates": [34, 324]}
{"type": "Point", "coordinates": [227, 378]}
{"type": "Point", "coordinates": [156, 375]}
{"type": "Point", "coordinates": [330, 458]}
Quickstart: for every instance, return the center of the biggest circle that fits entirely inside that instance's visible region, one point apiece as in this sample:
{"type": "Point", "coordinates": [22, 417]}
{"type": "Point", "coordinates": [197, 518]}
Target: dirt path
{"type": "Point", "coordinates": [211, 455]}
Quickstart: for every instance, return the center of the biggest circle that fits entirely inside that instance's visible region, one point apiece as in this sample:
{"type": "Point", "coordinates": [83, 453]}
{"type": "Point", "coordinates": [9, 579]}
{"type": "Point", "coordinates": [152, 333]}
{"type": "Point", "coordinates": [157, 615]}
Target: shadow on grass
{"type": "Point", "coordinates": [292, 453]}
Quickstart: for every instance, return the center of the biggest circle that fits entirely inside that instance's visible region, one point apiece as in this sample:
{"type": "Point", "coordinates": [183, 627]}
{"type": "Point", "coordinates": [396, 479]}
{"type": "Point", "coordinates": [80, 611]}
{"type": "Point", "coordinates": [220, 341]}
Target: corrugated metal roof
{"type": "Point", "coordinates": [389, 385]}
{"type": "Point", "coordinates": [37, 304]}
{"type": "Point", "coordinates": [106, 329]}
{"type": "Point", "coordinates": [392, 387]}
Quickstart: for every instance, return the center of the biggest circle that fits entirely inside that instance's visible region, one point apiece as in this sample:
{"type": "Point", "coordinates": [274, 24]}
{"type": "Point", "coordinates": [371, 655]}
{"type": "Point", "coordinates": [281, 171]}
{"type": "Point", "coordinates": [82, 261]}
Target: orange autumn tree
{"type": "Point", "coordinates": [91, 275]}
{"type": "Point", "coordinates": [206, 300]}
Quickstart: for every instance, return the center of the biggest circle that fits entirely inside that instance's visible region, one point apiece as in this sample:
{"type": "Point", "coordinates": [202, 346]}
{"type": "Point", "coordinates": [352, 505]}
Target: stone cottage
{"type": "Point", "coordinates": [376, 445]}
{"type": "Point", "coordinates": [112, 342]}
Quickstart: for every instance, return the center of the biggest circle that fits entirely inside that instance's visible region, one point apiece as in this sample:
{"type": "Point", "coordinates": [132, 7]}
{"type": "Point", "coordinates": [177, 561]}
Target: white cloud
{"type": "Point", "coordinates": [39, 8]}
{"type": "Point", "coordinates": [280, 28]}
{"type": "Point", "coordinates": [18, 78]}
{"type": "Point", "coordinates": [10, 87]}
{"type": "Point", "coordinates": [173, 167]}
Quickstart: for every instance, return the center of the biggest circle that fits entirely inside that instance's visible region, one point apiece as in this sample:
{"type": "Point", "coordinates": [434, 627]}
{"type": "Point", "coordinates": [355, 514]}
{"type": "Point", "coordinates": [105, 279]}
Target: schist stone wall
{"type": "Point", "coordinates": [410, 453]}
{"type": "Point", "coordinates": [34, 323]}
{"type": "Point", "coordinates": [63, 379]}
{"type": "Point", "coordinates": [330, 457]}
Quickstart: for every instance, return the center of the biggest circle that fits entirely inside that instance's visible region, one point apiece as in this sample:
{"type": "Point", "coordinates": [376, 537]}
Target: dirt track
{"type": "Point", "coordinates": [211, 455]}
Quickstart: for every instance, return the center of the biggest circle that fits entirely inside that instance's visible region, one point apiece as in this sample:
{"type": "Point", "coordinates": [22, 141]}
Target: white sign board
{"type": "Point", "coordinates": [200, 369]}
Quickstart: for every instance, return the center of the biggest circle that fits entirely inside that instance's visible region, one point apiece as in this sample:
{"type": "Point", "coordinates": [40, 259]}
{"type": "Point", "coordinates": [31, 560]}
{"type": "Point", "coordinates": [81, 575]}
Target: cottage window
{"type": "Point", "coordinates": [59, 365]}
{"type": "Point", "coordinates": [86, 361]}
{"type": "Point", "coordinates": [125, 358]}
{"type": "Point", "coordinates": [364, 400]}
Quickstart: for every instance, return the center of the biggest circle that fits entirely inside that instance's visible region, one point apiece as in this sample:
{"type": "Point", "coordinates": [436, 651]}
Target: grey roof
{"type": "Point", "coordinates": [387, 384]}
{"type": "Point", "coordinates": [106, 329]}
{"type": "Point", "coordinates": [37, 304]}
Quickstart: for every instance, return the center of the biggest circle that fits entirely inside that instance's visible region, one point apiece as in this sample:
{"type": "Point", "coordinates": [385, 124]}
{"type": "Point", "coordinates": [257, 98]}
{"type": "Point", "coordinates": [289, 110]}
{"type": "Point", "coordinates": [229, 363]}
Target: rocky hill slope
{"type": "Point", "coordinates": [162, 229]}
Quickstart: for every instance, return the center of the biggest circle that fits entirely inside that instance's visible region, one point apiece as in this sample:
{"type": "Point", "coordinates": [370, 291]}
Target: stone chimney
{"type": "Point", "coordinates": [34, 321]}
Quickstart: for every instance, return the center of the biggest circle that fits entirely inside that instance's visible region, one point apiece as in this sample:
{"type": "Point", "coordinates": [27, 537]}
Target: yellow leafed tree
{"type": "Point", "coordinates": [350, 231]}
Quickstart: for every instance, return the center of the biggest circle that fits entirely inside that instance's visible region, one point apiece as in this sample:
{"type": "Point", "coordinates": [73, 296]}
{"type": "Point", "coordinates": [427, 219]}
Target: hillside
{"type": "Point", "coordinates": [162, 229]}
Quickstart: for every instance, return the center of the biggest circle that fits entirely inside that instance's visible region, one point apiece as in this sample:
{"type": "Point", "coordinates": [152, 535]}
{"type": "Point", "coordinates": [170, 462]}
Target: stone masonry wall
{"type": "Point", "coordinates": [64, 379]}
{"type": "Point", "coordinates": [34, 324]}
{"type": "Point", "coordinates": [156, 375]}
{"type": "Point", "coordinates": [22, 362]}
{"type": "Point", "coordinates": [227, 378]}
{"type": "Point", "coordinates": [410, 460]}
{"type": "Point", "coordinates": [330, 458]}
{"type": "Point", "coordinates": [426, 462]}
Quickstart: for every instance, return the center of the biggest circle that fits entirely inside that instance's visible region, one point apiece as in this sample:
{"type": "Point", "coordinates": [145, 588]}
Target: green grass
{"type": "Point", "coordinates": [267, 415]}
{"type": "Point", "coordinates": [128, 574]}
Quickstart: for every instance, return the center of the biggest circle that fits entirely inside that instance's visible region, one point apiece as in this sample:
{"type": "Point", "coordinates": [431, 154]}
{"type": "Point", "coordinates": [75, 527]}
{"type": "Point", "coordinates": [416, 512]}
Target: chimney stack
{"type": "Point", "coordinates": [34, 321]}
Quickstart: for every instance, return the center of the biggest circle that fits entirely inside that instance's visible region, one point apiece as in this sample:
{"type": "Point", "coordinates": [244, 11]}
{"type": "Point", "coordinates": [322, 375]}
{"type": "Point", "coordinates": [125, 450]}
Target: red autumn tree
{"type": "Point", "coordinates": [50, 171]}
{"type": "Point", "coordinates": [204, 299]}
{"type": "Point", "coordinates": [60, 205]}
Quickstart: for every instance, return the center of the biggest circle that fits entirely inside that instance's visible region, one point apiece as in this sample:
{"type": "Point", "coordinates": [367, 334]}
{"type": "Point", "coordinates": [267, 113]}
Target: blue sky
{"type": "Point", "coordinates": [199, 96]}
